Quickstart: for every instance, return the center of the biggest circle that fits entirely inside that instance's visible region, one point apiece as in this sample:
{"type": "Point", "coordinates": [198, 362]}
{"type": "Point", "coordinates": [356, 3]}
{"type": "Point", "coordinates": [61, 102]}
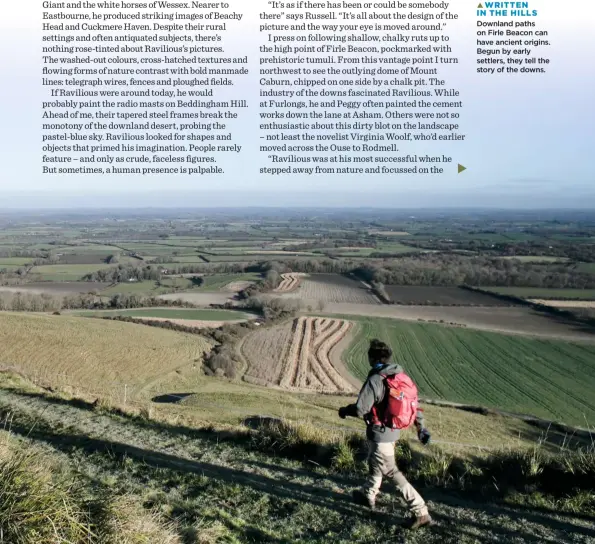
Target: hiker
{"type": "Point", "coordinates": [386, 415]}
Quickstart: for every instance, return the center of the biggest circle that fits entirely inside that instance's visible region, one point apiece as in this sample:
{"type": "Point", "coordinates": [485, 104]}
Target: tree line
{"type": "Point", "coordinates": [452, 270]}
{"type": "Point", "coordinates": [33, 302]}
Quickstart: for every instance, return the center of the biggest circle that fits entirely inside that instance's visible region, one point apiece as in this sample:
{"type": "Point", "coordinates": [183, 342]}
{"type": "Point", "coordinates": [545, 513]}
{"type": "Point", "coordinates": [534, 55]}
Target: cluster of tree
{"type": "Point", "coordinates": [223, 359]}
{"type": "Point", "coordinates": [33, 302]}
{"type": "Point", "coordinates": [270, 280]}
{"type": "Point", "coordinates": [452, 270]}
{"type": "Point", "coordinates": [12, 277]}
{"type": "Point", "coordinates": [24, 253]}
{"type": "Point", "coordinates": [584, 252]}
{"type": "Point", "coordinates": [331, 243]}
{"type": "Point", "coordinates": [274, 309]}
{"type": "Point", "coordinates": [213, 268]}
{"type": "Point", "coordinates": [122, 273]}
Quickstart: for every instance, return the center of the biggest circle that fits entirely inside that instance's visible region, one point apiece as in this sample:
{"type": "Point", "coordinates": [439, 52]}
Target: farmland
{"type": "Point", "coordinates": [68, 272]}
{"type": "Point", "coordinates": [332, 288]}
{"type": "Point", "coordinates": [54, 288]}
{"type": "Point", "coordinates": [219, 282]}
{"type": "Point", "coordinates": [535, 292]}
{"type": "Point", "coordinates": [298, 355]}
{"type": "Point", "coordinates": [571, 303]}
{"type": "Point", "coordinates": [169, 313]}
{"type": "Point", "coordinates": [94, 354]}
{"type": "Point", "coordinates": [440, 296]}
{"type": "Point", "coordinates": [289, 282]}
{"type": "Point", "coordinates": [514, 320]}
{"type": "Point", "coordinates": [516, 374]}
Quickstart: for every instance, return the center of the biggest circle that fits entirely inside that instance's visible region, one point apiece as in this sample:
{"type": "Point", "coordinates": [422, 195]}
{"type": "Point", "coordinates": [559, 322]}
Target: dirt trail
{"type": "Point", "coordinates": [187, 466]}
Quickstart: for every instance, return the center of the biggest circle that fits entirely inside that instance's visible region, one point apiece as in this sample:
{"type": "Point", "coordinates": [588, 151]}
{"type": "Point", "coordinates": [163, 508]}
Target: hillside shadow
{"type": "Point", "coordinates": [472, 498]}
{"type": "Point", "coordinates": [117, 452]}
{"type": "Point", "coordinates": [171, 398]}
{"type": "Point", "coordinates": [553, 437]}
{"type": "Point", "coordinates": [573, 323]}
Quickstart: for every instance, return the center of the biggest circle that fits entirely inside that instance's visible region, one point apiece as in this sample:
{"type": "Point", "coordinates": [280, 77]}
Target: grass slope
{"type": "Point", "coordinates": [545, 378]}
{"type": "Point", "coordinates": [227, 485]}
{"type": "Point", "coordinates": [216, 282]}
{"type": "Point", "coordinates": [92, 353]}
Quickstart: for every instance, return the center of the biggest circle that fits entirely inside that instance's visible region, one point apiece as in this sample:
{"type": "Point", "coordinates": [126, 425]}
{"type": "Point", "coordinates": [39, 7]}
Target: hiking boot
{"type": "Point", "coordinates": [362, 499]}
{"type": "Point", "coordinates": [419, 521]}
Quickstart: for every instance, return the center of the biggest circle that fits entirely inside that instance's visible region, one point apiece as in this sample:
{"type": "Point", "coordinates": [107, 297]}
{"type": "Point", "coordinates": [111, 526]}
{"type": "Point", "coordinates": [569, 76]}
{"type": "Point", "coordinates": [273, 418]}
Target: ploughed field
{"type": "Point", "coordinates": [440, 296]}
{"type": "Point", "coordinates": [546, 378]}
{"type": "Point", "coordinates": [300, 354]}
{"type": "Point", "coordinates": [95, 354]}
{"type": "Point", "coordinates": [289, 282]}
{"type": "Point", "coordinates": [330, 288]}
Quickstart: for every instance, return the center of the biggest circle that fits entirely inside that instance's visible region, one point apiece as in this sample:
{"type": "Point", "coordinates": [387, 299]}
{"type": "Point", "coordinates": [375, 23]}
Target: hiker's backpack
{"type": "Point", "coordinates": [399, 407]}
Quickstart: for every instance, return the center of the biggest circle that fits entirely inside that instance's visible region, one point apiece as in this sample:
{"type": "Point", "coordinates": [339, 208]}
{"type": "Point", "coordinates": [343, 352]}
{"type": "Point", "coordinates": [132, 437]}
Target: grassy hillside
{"type": "Point", "coordinates": [96, 354]}
{"type": "Point", "coordinates": [546, 378]}
{"type": "Point", "coordinates": [131, 476]}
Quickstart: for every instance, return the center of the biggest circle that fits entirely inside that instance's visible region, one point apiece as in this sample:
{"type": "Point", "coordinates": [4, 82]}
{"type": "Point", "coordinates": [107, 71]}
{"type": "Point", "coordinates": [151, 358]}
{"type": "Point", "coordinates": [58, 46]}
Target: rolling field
{"type": "Point", "coordinates": [544, 293]}
{"type": "Point", "coordinates": [524, 375]}
{"type": "Point", "coordinates": [93, 353]}
{"type": "Point", "coordinates": [14, 261]}
{"type": "Point", "coordinates": [66, 272]}
{"type": "Point", "coordinates": [588, 268]}
{"type": "Point", "coordinates": [332, 288]}
{"type": "Point", "coordinates": [514, 320]}
{"type": "Point", "coordinates": [218, 282]}
{"type": "Point", "coordinates": [168, 313]}
{"type": "Point", "coordinates": [564, 303]}
{"type": "Point", "coordinates": [536, 259]}
{"type": "Point", "coordinates": [298, 355]}
{"type": "Point", "coordinates": [131, 288]}
{"type": "Point", "coordinates": [447, 296]}
{"type": "Point", "coordinates": [200, 298]}
{"type": "Point", "coordinates": [55, 288]}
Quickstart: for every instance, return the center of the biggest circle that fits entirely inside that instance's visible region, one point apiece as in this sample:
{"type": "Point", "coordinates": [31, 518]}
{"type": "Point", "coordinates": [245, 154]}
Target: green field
{"type": "Point", "coordinates": [218, 281]}
{"type": "Point", "coordinates": [545, 378]}
{"type": "Point", "coordinates": [167, 313]}
{"type": "Point", "coordinates": [588, 268]}
{"type": "Point", "coordinates": [14, 261]}
{"type": "Point", "coordinates": [539, 292]}
{"type": "Point", "coordinates": [536, 258]}
{"type": "Point", "coordinates": [66, 272]}
{"type": "Point", "coordinates": [148, 287]}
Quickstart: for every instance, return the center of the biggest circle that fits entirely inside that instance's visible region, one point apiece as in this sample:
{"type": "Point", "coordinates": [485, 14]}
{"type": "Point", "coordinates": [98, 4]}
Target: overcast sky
{"type": "Point", "coordinates": [530, 138]}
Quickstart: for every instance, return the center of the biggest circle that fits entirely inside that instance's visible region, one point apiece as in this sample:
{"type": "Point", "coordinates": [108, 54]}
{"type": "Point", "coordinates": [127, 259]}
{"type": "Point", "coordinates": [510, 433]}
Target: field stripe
{"type": "Point", "coordinates": [301, 379]}
{"type": "Point", "coordinates": [288, 374]}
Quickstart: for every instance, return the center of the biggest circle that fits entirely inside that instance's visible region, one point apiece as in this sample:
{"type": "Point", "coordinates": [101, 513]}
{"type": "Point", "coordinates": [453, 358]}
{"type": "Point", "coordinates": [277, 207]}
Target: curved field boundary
{"type": "Point", "coordinates": [291, 362]}
{"type": "Point", "coordinates": [307, 363]}
{"type": "Point", "coordinates": [289, 282]}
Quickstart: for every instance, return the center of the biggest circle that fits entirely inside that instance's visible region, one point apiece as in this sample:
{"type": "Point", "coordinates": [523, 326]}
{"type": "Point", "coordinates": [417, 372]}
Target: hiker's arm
{"type": "Point", "coordinates": [368, 396]}
{"type": "Point", "coordinates": [420, 420]}
{"type": "Point", "coordinates": [420, 424]}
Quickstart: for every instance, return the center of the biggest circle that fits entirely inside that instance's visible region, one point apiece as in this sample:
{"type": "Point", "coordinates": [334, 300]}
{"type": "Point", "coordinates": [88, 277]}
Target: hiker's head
{"type": "Point", "coordinates": [378, 352]}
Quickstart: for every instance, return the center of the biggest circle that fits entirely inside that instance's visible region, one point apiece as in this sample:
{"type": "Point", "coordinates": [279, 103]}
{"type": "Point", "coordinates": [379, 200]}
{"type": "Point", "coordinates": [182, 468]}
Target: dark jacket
{"type": "Point", "coordinates": [372, 393]}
